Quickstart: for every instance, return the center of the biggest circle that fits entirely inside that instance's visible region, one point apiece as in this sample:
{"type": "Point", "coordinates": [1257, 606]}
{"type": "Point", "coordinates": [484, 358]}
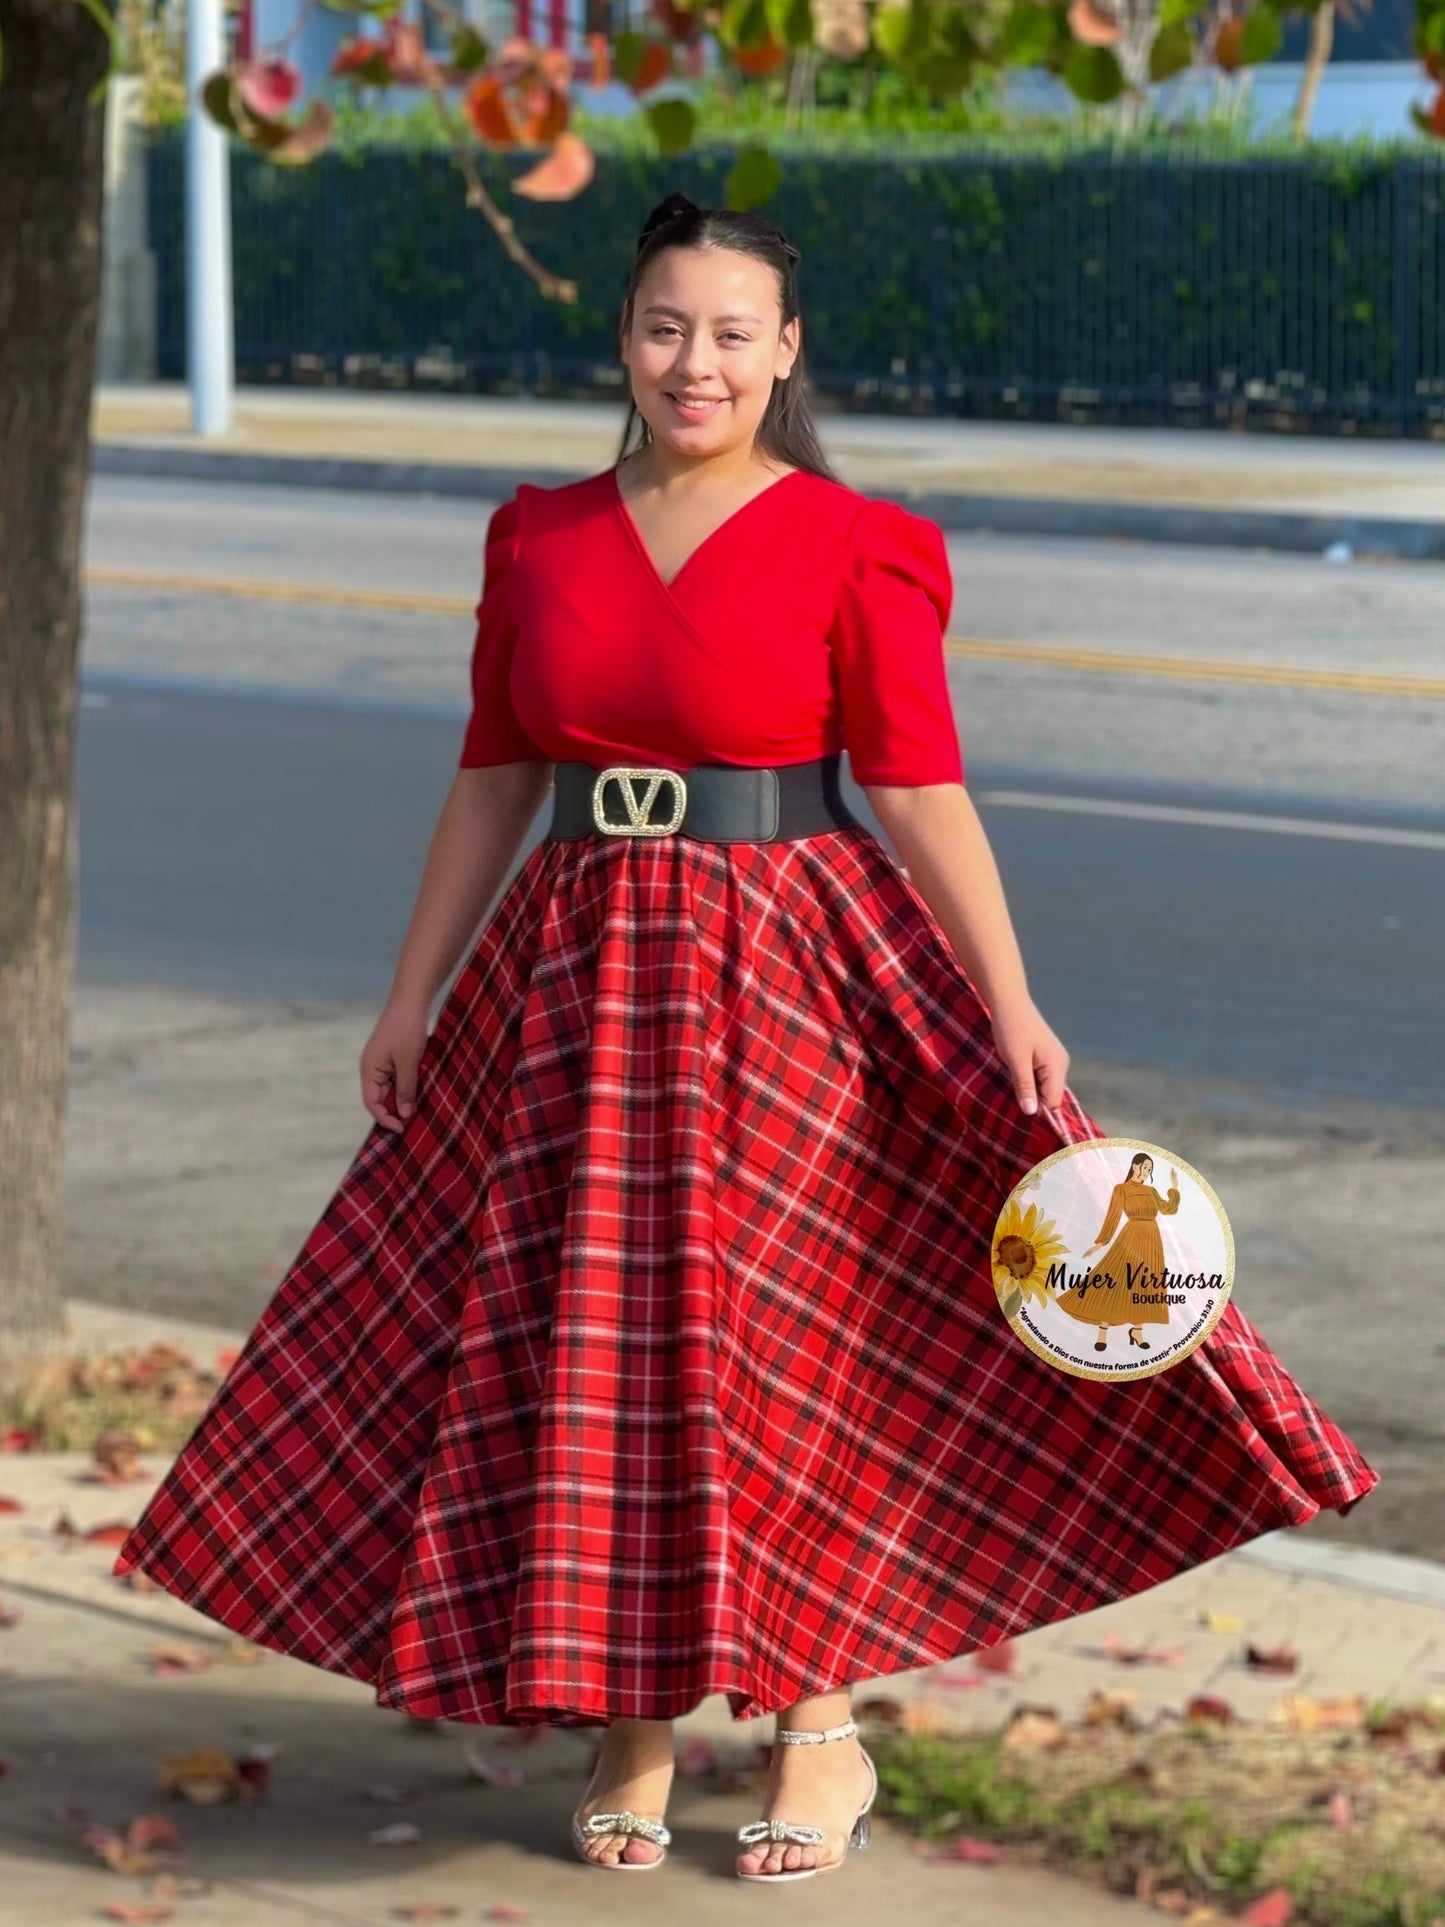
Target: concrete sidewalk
{"type": "Point", "coordinates": [1237, 490]}
{"type": "Point", "coordinates": [87, 1719]}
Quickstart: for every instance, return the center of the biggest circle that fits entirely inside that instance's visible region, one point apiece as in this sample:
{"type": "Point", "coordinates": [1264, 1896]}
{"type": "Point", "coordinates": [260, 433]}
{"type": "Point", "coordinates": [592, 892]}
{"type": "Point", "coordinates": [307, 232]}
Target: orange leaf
{"type": "Point", "coordinates": [655, 65]}
{"type": "Point", "coordinates": [1091, 25]}
{"type": "Point", "coordinates": [10, 1505]}
{"type": "Point", "coordinates": [485, 105]}
{"type": "Point", "coordinates": [124, 1910]}
{"type": "Point", "coordinates": [760, 60]}
{"type": "Point", "coordinates": [1273, 1909]}
{"type": "Point", "coordinates": [107, 1535]}
{"type": "Point", "coordinates": [562, 174]}
{"type": "Point", "coordinates": [600, 48]}
{"type": "Point", "coordinates": [1000, 1657]}
{"type": "Point", "coordinates": [1226, 44]}
{"type": "Point", "coordinates": [545, 116]}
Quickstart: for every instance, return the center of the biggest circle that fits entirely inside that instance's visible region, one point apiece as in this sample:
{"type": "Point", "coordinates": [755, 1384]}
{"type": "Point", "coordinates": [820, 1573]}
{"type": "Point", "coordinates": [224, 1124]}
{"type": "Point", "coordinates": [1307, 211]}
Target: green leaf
{"type": "Point", "coordinates": [219, 101]}
{"type": "Point", "coordinates": [673, 124]}
{"type": "Point", "coordinates": [753, 178]}
{"type": "Point", "coordinates": [1262, 36]}
{"type": "Point", "coordinates": [1013, 1304]}
{"type": "Point", "coordinates": [791, 22]}
{"type": "Point", "coordinates": [1031, 32]}
{"type": "Point", "coordinates": [1172, 51]}
{"type": "Point", "coordinates": [1093, 74]}
{"type": "Point", "coordinates": [902, 33]}
{"type": "Point", "coordinates": [1173, 13]}
{"type": "Point", "coordinates": [745, 23]}
{"type": "Point", "coordinates": [469, 50]}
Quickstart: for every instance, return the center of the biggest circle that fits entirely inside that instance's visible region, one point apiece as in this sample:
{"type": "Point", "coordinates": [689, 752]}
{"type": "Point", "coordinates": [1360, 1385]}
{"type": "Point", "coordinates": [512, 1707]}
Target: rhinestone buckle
{"type": "Point", "coordinates": [639, 815]}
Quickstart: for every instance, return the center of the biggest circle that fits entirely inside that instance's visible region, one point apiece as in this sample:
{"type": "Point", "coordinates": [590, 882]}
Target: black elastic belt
{"type": "Point", "coordinates": [721, 802]}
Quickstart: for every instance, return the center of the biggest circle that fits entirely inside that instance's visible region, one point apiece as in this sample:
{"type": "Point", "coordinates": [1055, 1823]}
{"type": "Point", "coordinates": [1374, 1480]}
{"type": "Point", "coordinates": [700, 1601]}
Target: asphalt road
{"type": "Point", "coordinates": [1237, 873]}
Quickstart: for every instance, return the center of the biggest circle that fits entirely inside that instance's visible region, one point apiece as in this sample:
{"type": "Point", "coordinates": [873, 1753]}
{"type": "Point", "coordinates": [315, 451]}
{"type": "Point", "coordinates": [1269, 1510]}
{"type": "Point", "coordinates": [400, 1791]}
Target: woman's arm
{"type": "Point", "coordinates": [936, 831]}
{"type": "Point", "coordinates": [483, 823]}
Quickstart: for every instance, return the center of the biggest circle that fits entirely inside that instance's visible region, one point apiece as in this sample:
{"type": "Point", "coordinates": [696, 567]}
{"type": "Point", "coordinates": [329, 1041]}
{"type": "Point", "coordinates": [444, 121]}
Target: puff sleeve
{"type": "Point", "coordinates": [894, 602]}
{"type": "Point", "coordinates": [493, 733]}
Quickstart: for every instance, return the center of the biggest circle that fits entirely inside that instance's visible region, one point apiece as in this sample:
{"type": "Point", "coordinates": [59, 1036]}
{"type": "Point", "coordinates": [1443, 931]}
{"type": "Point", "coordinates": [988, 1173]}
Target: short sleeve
{"type": "Point", "coordinates": [493, 734]}
{"type": "Point", "coordinates": [894, 602]}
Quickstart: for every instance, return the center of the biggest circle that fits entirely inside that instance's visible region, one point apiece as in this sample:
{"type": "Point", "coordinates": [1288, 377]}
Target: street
{"type": "Point", "coordinates": [1227, 890]}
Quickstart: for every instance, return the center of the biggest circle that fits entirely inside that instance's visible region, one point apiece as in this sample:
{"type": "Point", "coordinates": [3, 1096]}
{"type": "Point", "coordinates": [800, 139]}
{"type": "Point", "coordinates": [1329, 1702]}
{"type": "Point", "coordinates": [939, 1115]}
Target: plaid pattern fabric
{"type": "Point", "coordinates": [658, 1356]}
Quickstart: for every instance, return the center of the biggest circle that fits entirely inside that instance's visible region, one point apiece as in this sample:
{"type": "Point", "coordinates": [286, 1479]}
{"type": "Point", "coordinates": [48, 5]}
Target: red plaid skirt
{"type": "Point", "coordinates": [658, 1356]}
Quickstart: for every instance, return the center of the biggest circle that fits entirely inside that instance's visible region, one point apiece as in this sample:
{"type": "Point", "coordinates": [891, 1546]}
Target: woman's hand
{"type": "Point", "coordinates": [389, 1060]}
{"type": "Point", "coordinates": [1036, 1059]}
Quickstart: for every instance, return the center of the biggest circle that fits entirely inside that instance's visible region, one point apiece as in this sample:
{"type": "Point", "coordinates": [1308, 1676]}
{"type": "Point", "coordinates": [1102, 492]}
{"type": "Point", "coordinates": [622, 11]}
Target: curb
{"type": "Point", "coordinates": [956, 510]}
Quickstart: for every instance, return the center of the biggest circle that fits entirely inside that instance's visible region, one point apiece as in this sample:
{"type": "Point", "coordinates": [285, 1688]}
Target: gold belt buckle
{"type": "Point", "coordinates": [639, 815]}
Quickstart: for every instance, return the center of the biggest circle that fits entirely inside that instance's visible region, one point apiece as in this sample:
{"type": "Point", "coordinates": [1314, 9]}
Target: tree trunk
{"type": "Point", "coordinates": [1317, 58]}
{"type": "Point", "coordinates": [51, 189]}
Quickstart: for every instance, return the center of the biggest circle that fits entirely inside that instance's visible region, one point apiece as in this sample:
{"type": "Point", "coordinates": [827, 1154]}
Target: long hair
{"type": "Point", "coordinates": [786, 431]}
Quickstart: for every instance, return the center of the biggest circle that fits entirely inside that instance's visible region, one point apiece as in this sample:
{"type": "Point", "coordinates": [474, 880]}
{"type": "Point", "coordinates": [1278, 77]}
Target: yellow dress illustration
{"type": "Point", "coordinates": [1133, 1264]}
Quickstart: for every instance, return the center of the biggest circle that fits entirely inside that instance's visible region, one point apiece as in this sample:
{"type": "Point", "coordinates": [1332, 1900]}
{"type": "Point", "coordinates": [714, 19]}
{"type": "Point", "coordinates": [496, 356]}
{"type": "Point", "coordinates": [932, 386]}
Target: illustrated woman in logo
{"type": "Point", "coordinates": [1134, 1265]}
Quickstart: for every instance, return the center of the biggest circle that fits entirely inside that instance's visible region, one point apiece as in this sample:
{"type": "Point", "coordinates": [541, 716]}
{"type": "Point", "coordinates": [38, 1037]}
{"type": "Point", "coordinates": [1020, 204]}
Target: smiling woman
{"type": "Point", "coordinates": [654, 1352]}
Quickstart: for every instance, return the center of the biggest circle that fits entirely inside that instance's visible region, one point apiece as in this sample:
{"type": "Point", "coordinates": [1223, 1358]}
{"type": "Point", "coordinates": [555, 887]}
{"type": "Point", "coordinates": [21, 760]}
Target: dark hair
{"type": "Point", "coordinates": [786, 431]}
{"type": "Point", "coordinates": [1140, 1157]}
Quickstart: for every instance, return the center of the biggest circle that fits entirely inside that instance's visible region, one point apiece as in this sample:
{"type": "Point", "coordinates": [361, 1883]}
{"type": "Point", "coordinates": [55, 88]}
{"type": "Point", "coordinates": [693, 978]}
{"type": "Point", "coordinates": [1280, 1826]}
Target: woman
{"type": "Point", "coordinates": [649, 1348]}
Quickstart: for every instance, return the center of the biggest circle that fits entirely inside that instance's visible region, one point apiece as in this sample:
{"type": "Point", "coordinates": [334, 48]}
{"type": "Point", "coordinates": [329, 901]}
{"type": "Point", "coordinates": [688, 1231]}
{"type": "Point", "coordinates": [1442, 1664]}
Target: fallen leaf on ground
{"type": "Point", "coordinates": [1271, 1659]}
{"type": "Point", "coordinates": [1129, 1654]}
{"type": "Point", "coordinates": [204, 1776]}
{"type": "Point", "coordinates": [175, 1656]}
{"type": "Point", "coordinates": [963, 1846]}
{"type": "Point", "coordinates": [504, 1910]}
{"type": "Point", "coordinates": [1112, 1709]}
{"type": "Point", "coordinates": [1274, 1909]}
{"type": "Point", "coordinates": [1223, 1622]}
{"type": "Point", "coordinates": [10, 1615]}
{"type": "Point", "coordinates": [1001, 1657]}
{"type": "Point", "coordinates": [9, 1505]}
{"type": "Point", "coordinates": [1306, 1715]}
{"type": "Point", "coordinates": [1208, 1706]}
{"type": "Point", "coordinates": [127, 1910]}
{"type": "Point", "coordinates": [426, 1910]}
{"type": "Point", "coordinates": [1034, 1726]}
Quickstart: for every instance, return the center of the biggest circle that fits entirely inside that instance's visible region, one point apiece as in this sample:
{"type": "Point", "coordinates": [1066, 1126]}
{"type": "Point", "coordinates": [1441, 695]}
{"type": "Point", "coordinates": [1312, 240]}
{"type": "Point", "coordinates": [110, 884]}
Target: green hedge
{"type": "Point", "coordinates": [1300, 290]}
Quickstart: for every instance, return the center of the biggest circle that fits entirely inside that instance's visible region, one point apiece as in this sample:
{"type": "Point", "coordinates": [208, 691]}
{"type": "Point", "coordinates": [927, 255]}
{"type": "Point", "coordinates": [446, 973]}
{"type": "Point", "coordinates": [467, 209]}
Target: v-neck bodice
{"type": "Point", "coordinates": [727, 526]}
{"type": "Point", "coordinates": [809, 620]}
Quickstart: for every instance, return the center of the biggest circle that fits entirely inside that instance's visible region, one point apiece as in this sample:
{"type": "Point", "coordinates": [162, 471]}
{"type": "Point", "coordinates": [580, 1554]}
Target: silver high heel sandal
{"type": "Point", "coordinates": [757, 1831]}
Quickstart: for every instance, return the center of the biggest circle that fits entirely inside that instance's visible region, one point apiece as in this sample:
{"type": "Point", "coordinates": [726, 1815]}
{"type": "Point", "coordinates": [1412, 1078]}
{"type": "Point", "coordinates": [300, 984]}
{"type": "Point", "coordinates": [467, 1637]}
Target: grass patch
{"type": "Point", "coordinates": [1201, 1817]}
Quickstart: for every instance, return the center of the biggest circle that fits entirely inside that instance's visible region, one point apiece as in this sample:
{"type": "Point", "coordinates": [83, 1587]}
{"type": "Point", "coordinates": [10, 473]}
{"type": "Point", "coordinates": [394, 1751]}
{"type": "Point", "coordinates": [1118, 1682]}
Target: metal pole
{"type": "Point", "coordinates": [210, 355]}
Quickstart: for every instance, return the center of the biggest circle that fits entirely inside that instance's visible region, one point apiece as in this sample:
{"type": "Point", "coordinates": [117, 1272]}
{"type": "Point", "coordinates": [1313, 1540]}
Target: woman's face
{"type": "Point", "coordinates": [706, 322]}
{"type": "Point", "coordinates": [1144, 1171]}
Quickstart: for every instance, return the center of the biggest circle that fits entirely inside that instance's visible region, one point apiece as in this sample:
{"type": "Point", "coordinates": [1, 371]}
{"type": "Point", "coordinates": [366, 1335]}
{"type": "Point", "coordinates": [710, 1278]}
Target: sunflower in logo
{"type": "Point", "coordinates": [1024, 1246]}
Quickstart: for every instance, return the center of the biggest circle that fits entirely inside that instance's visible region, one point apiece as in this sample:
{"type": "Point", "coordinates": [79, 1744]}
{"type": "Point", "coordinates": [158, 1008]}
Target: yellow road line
{"type": "Point", "coordinates": [305, 592]}
{"type": "Point", "coordinates": [978, 648]}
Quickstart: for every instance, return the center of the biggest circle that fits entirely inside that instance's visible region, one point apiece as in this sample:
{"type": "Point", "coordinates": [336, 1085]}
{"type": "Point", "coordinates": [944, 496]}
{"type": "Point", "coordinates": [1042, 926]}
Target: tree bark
{"type": "Point", "coordinates": [1317, 58]}
{"type": "Point", "coordinates": [51, 203]}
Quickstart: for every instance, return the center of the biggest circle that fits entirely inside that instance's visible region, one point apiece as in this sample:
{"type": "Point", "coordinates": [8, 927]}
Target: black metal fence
{"type": "Point", "coordinates": [1298, 293]}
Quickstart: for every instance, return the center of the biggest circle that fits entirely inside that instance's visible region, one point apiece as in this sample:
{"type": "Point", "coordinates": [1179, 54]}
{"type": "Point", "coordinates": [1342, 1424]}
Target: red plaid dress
{"type": "Point", "coordinates": [658, 1356]}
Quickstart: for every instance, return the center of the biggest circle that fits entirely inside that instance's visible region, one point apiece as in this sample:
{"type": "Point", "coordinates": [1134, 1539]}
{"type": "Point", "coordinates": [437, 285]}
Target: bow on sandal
{"type": "Point", "coordinates": [624, 1822]}
{"type": "Point", "coordinates": [797, 1832]}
